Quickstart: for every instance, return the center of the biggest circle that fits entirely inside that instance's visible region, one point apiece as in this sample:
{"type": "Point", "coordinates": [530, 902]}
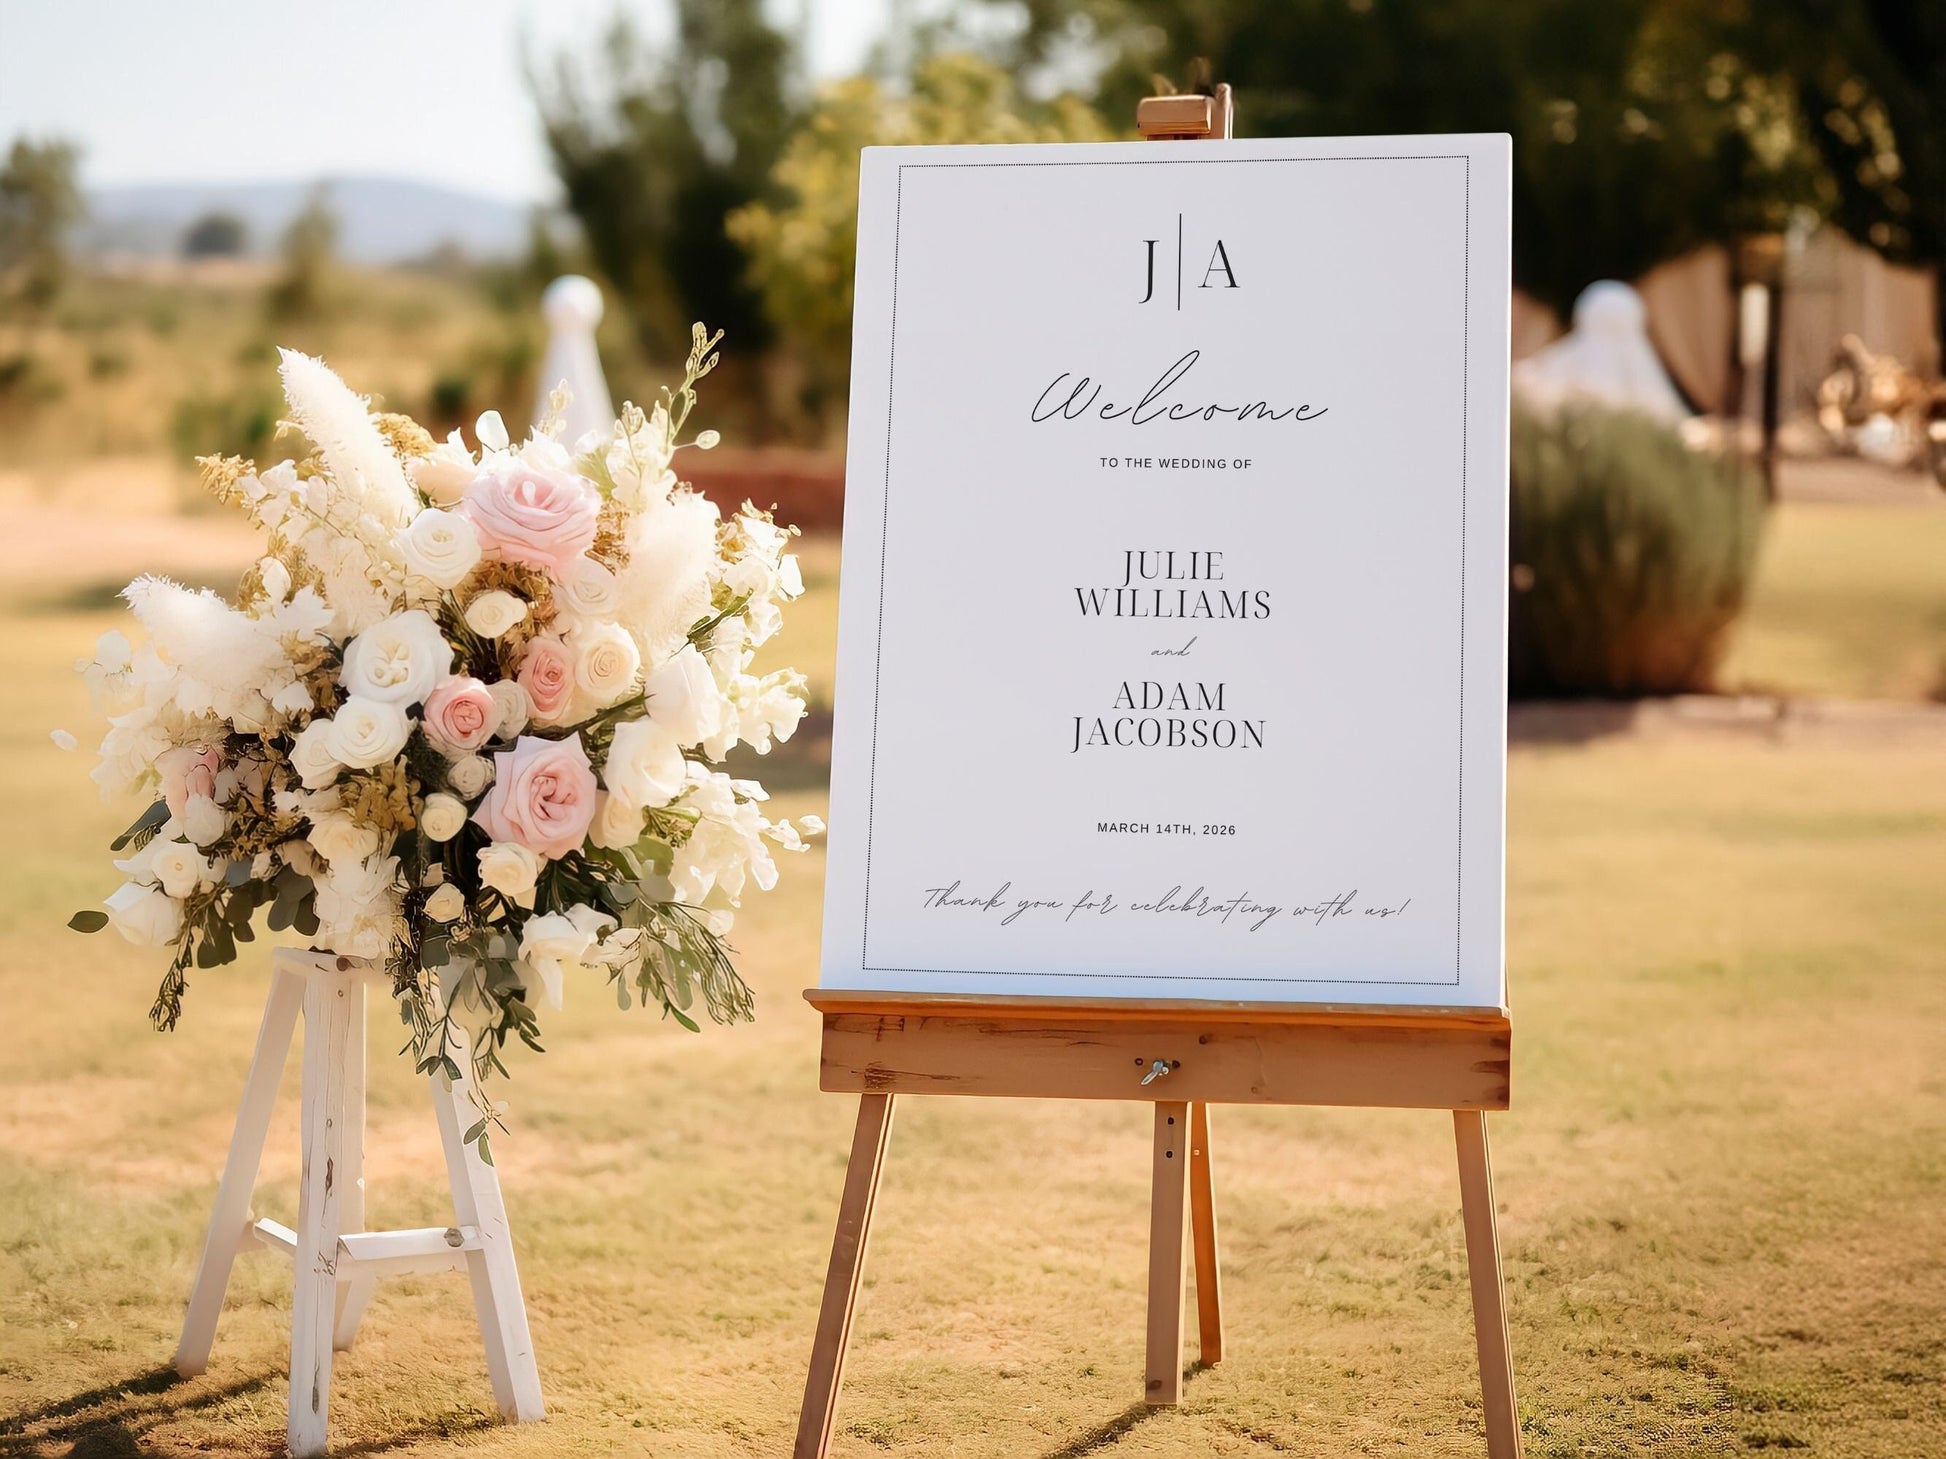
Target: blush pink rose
{"type": "Point", "coordinates": [547, 674]}
{"type": "Point", "coordinates": [187, 772]}
{"type": "Point", "coordinates": [545, 519]}
{"type": "Point", "coordinates": [543, 796]}
{"type": "Point", "coordinates": [460, 714]}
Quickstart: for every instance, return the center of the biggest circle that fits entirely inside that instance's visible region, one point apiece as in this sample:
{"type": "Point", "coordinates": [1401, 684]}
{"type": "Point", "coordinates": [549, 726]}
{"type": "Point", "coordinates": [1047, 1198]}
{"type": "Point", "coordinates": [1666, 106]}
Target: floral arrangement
{"type": "Point", "coordinates": [466, 716]}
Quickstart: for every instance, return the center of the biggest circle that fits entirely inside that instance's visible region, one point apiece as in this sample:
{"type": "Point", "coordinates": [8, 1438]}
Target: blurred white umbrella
{"type": "Point", "coordinates": [572, 307]}
{"type": "Point", "coordinates": [1606, 357]}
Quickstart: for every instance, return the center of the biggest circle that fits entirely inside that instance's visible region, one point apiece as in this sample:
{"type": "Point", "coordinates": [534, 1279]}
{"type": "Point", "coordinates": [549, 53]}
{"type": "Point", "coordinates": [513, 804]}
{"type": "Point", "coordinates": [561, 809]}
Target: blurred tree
{"type": "Point", "coordinates": [804, 246]}
{"type": "Point", "coordinates": [1883, 133]}
{"type": "Point", "coordinates": [310, 247]}
{"type": "Point", "coordinates": [655, 153]}
{"type": "Point", "coordinates": [215, 235]}
{"type": "Point", "coordinates": [1641, 127]}
{"type": "Point", "coordinates": [40, 201]}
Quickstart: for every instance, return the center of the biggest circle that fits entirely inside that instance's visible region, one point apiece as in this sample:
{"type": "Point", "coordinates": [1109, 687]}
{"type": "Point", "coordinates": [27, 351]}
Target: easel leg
{"type": "Point", "coordinates": [328, 1000]}
{"type": "Point", "coordinates": [1202, 1226]}
{"type": "Point", "coordinates": [1483, 1271]}
{"type": "Point", "coordinates": [497, 1299]}
{"type": "Point", "coordinates": [1168, 1220]}
{"type": "Point", "coordinates": [353, 1292]}
{"type": "Point", "coordinates": [841, 1279]}
{"type": "Point", "coordinates": [229, 1222]}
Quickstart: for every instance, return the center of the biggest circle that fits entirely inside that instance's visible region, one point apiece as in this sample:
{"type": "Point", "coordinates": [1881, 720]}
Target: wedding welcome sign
{"type": "Point", "coordinates": [1172, 639]}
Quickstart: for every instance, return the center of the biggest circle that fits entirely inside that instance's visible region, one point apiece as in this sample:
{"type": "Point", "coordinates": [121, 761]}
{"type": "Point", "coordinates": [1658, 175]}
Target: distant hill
{"type": "Point", "coordinates": [381, 219]}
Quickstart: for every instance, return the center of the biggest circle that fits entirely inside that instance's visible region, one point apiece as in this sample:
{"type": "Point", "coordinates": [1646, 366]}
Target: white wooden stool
{"type": "Point", "coordinates": [337, 1261]}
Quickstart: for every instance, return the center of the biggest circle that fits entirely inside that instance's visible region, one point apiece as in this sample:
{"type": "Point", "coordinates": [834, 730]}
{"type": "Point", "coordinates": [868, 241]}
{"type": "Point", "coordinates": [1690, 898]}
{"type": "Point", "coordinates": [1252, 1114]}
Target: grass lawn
{"type": "Point", "coordinates": [1723, 1182]}
{"type": "Point", "coordinates": [1849, 601]}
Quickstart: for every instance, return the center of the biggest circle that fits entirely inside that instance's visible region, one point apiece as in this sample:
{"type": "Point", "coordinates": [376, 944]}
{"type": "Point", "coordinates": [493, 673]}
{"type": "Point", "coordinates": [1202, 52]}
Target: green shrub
{"type": "Point", "coordinates": [238, 424]}
{"type": "Point", "coordinates": [1632, 554]}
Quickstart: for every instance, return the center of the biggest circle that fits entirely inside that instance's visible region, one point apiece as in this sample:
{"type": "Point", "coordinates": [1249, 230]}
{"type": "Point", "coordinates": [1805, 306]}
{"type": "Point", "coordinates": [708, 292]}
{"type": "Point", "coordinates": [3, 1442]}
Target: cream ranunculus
{"type": "Point", "coordinates": [146, 916]}
{"type": "Point", "coordinates": [511, 870]}
{"type": "Point", "coordinates": [446, 903]}
{"type": "Point", "coordinates": [591, 590]}
{"type": "Point", "coordinates": [312, 757]}
{"type": "Point", "coordinates": [340, 840]}
{"type": "Point", "coordinates": [181, 868]}
{"type": "Point", "coordinates": [515, 707]}
{"type": "Point", "coordinates": [617, 824]}
{"type": "Point", "coordinates": [470, 775]}
{"type": "Point", "coordinates": [493, 612]}
{"type": "Point", "coordinates": [444, 475]}
{"type": "Point", "coordinates": [398, 659]}
{"type": "Point", "coordinates": [645, 767]}
{"type": "Point", "coordinates": [682, 697]}
{"type": "Point", "coordinates": [204, 821]}
{"type": "Point", "coordinates": [605, 662]}
{"type": "Point", "coordinates": [440, 547]}
{"type": "Point", "coordinates": [443, 816]}
{"type": "Point", "coordinates": [367, 732]}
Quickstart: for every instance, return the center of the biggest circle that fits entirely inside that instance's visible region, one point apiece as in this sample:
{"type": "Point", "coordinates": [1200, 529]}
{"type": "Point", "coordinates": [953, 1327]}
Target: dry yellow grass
{"type": "Point", "coordinates": [1849, 600]}
{"type": "Point", "coordinates": [1724, 1198]}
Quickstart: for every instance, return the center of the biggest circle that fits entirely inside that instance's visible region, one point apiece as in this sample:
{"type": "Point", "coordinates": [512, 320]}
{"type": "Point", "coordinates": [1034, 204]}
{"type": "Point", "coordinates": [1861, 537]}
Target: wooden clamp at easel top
{"type": "Point", "coordinates": [1191, 118]}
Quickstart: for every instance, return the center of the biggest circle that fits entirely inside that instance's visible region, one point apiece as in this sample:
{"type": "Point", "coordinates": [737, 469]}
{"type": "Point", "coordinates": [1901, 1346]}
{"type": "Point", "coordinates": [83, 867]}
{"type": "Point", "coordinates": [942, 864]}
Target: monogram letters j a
{"type": "Point", "coordinates": [1217, 273]}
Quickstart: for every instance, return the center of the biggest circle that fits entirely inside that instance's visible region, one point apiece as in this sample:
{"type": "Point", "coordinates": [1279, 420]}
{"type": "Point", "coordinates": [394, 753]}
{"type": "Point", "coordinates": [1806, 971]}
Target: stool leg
{"type": "Point", "coordinates": [328, 999]}
{"type": "Point", "coordinates": [229, 1222]}
{"type": "Point", "coordinates": [496, 1281]}
{"type": "Point", "coordinates": [353, 1292]}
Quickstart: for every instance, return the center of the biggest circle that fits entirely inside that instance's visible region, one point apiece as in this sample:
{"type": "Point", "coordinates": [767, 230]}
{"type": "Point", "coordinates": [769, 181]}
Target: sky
{"type": "Point", "coordinates": [163, 91]}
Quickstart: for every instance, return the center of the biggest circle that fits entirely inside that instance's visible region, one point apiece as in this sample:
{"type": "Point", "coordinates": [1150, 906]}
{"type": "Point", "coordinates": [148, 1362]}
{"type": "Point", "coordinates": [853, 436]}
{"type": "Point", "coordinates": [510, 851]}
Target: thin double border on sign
{"type": "Point", "coordinates": [885, 519]}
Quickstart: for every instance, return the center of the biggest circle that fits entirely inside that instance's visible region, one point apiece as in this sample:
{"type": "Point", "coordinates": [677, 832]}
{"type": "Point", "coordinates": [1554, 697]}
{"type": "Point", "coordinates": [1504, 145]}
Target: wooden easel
{"type": "Point", "coordinates": [337, 1261]}
{"type": "Point", "coordinates": [1182, 1057]}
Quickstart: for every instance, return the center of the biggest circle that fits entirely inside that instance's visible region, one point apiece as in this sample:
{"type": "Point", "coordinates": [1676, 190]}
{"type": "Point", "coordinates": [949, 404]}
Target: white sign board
{"type": "Point", "coordinates": [1173, 615]}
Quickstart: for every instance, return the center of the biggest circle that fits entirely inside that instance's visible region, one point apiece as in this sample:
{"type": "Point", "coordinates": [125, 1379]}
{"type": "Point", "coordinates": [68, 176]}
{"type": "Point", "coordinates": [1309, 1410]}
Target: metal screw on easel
{"type": "Point", "coordinates": [1156, 1071]}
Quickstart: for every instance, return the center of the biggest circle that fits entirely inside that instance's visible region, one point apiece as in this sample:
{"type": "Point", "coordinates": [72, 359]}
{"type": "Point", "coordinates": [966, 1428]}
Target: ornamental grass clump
{"type": "Point", "coordinates": [1632, 554]}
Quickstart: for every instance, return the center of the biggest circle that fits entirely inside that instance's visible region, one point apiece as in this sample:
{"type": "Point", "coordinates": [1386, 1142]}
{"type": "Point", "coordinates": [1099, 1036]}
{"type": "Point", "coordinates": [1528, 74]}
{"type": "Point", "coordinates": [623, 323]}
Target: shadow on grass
{"type": "Point", "coordinates": [113, 1421]}
{"type": "Point", "coordinates": [1103, 1434]}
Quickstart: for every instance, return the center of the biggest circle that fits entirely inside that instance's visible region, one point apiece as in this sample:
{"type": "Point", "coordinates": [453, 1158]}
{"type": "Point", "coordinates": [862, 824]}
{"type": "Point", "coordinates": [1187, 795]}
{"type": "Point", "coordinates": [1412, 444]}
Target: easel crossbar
{"type": "Point", "coordinates": [1426, 1059]}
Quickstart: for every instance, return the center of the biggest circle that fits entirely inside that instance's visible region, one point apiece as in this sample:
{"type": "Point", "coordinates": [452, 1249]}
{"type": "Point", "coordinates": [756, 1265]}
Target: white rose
{"type": "Point", "coordinates": [204, 821]}
{"type": "Point", "coordinates": [515, 707]}
{"type": "Point", "coordinates": [552, 943]}
{"type": "Point", "coordinates": [144, 915]}
{"type": "Point", "coordinates": [397, 659]}
{"type": "Point", "coordinates": [340, 840]}
{"type": "Point", "coordinates": [442, 817]}
{"type": "Point", "coordinates": [591, 590]}
{"type": "Point", "coordinates": [180, 867]}
{"type": "Point", "coordinates": [440, 547]}
{"type": "Point", "coordinates": [444, 476]}
{"type": "Point", "coordinates": [367, 732]}
{"type": "Point", "coordinates": [446, 903]}
{"type": "Point", "coordinates": [682, 697]}
{"type": "Point", "coordinates": [605, 662]}
{"type": "Point", "coordinates": [617, 824]}
{"type": "Point", "coordinates": [493, 612]}
{"type": "Point", "coordinates": [645, 767]}
{"type": "Point", "coordinates": [470, 775]}
{"type": "Point", "coordinates": [312, 757]}
{"type": "Point", "coordinates": [510, 869]}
